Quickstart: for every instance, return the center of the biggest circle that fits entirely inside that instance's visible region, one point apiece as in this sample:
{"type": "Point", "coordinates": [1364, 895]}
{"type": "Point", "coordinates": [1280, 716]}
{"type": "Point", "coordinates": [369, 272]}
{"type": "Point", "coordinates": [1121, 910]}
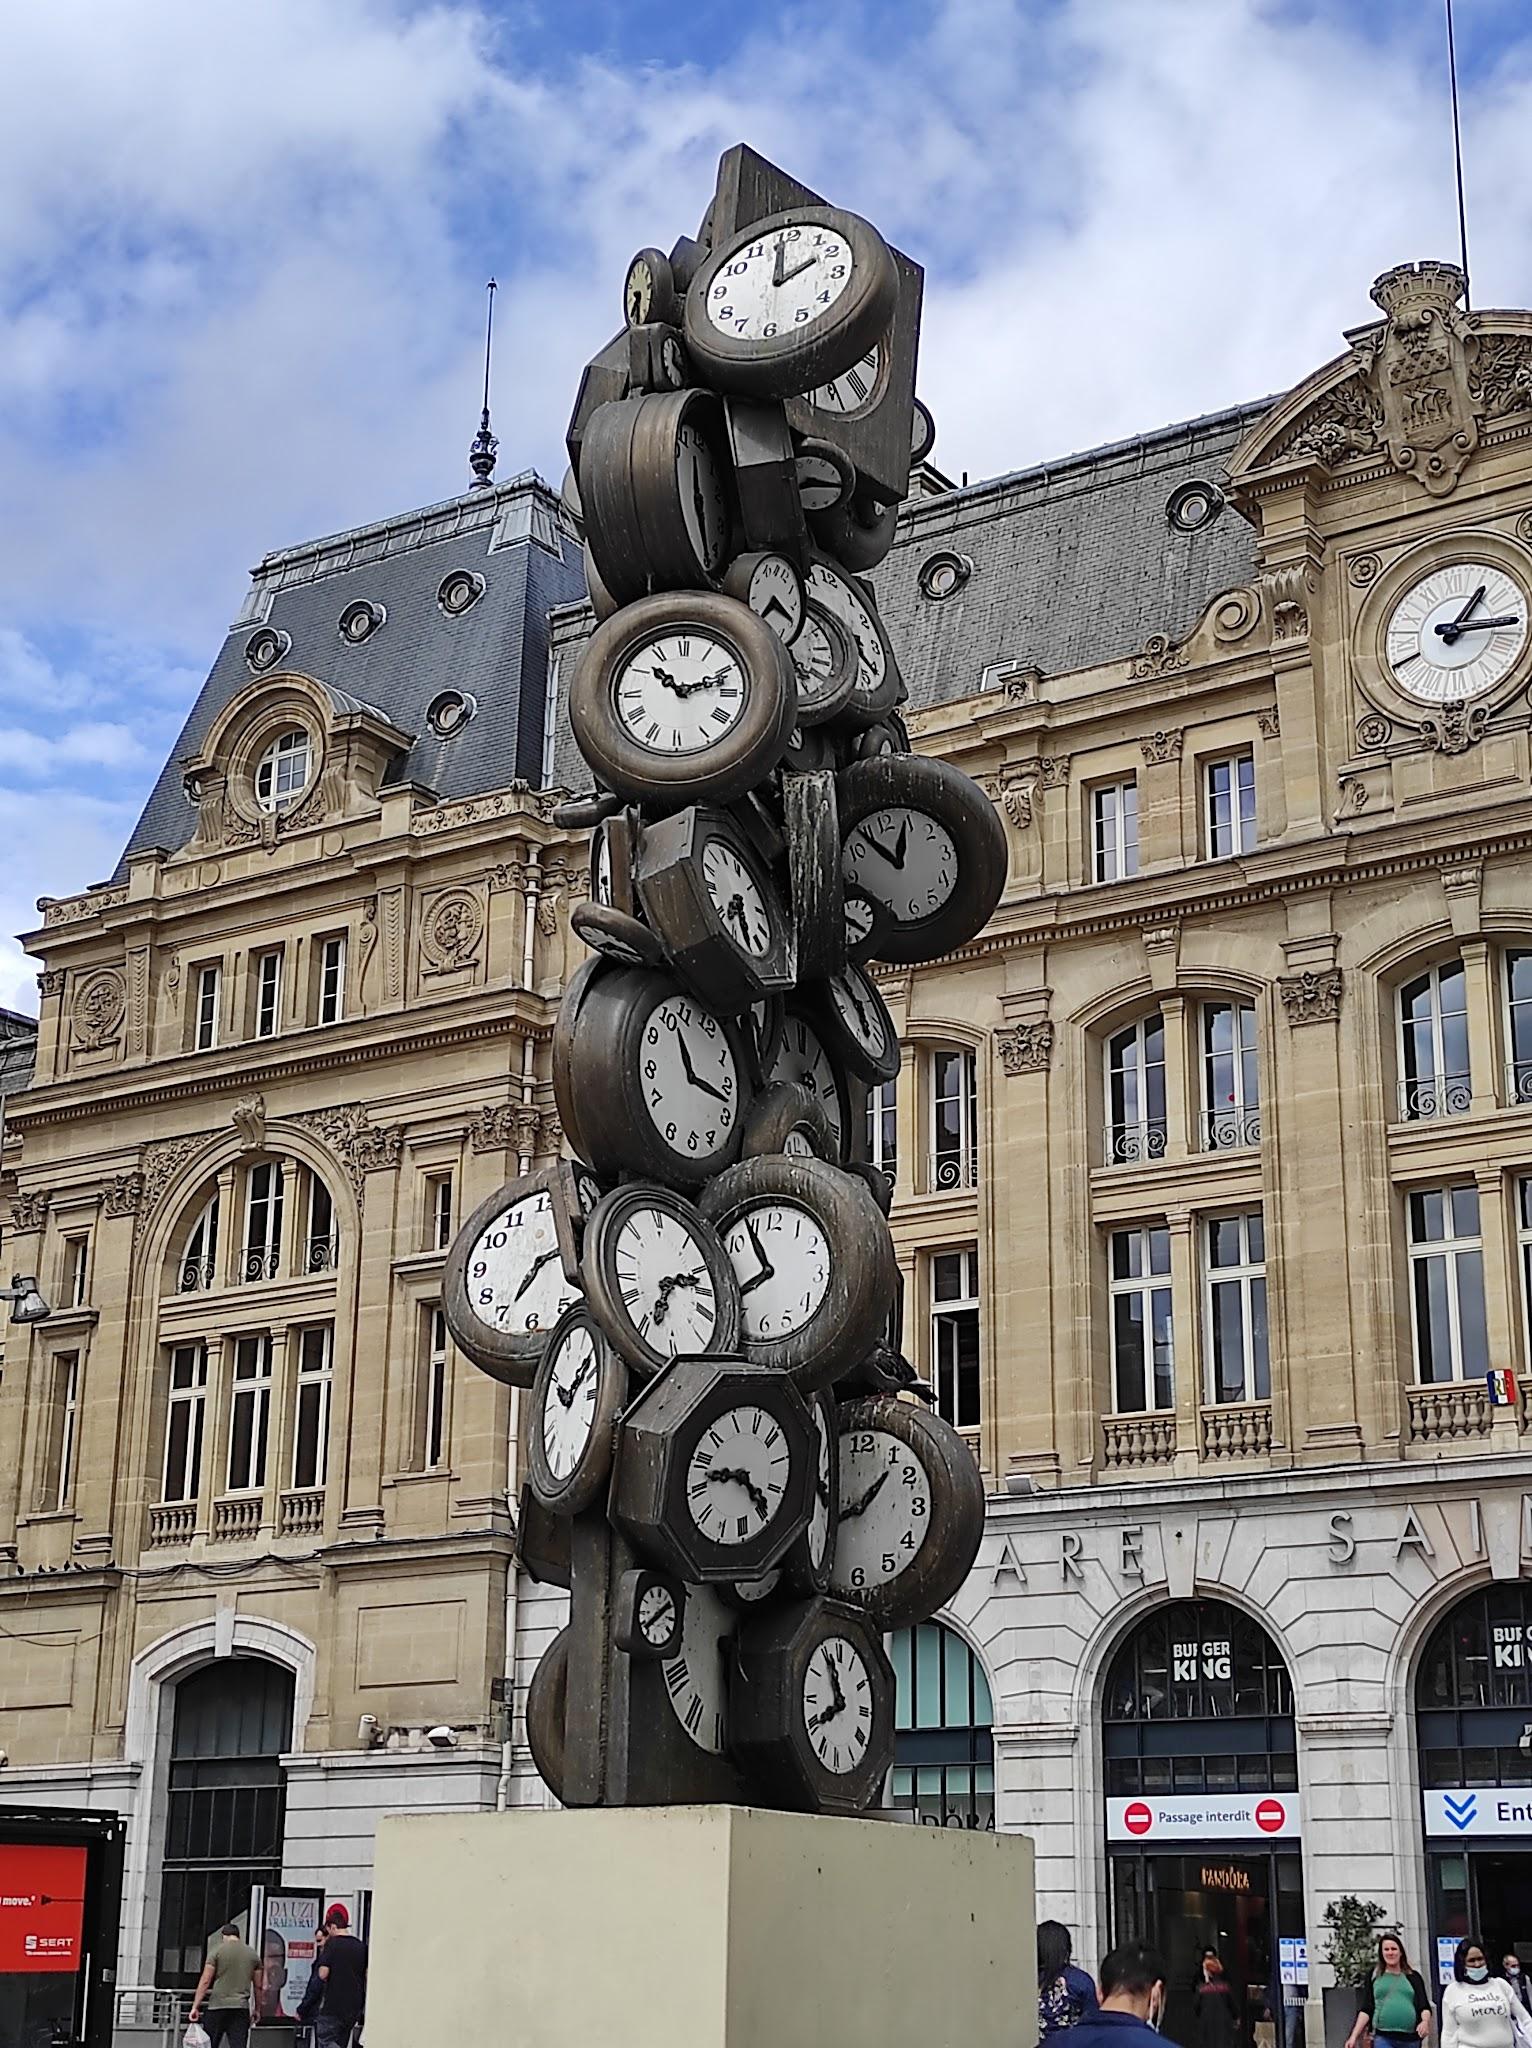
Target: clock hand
{"type": "Point", "coordinates": [829, 1714]}
{"type": "Point", "coordinates": [741, 1477]}
{"type": "Point", "coordinates": [781, 257]}
{"type": "Point", "coordinates": [1451, 628]}
{"type": "Point", "coordinates": [533, 1270]}
{"type": "Point", "coordinates": [575, 1385]}
{"type": "Point", "coordinates": [902, 841]}
{"type": "Point", "coordinates": [664, 676]}
{"type": "Point", "coordinates": [736, 910]}
{"type": "Point", "coordinates": [767, 1270]}
{"type": "Point", "coordinates": [797, 269]}
{"type": "Point", "coordinates": [849, 1514]}
{"type": "Point", "coordinates": [695, 1078]}
{"type": "Point", "coordinates": [1483, 625]}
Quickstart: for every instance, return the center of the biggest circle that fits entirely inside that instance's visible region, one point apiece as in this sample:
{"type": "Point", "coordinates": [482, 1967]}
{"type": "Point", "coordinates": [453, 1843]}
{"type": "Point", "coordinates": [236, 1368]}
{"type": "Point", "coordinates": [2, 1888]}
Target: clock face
{"type": "Point", "coordinates": [638, 292]}
{"type": "Point", "coordinates": [601, 880]}
{"type": "Point", "coordinates": [821, 483]}
{"type": "Point", "coordinates": [860, 918]}
{"type": "Point", "coordinates": [803, 1059]}
{"type": "Point", "coordinates": [737, 897]}
{"type": "Point", "coordinates": [737, 1475]}
{"type": "Point", "coordinates": [780, 284]}
{"type": "Point", "coordinates": [776, 596]}
{"type": "Point", "coordinates": [657, 1613]}
{"type": "Point", "coordinates": [704, 497]}
{"type": "Point", "coordinates": [515, 1276]}
{"type": "Point", "coordinates": [664, 1281]}
{"type": "Point", "coordinates": [819, 658]}
{"type": "Point", "coordinates": [569, 1408]}
{"type": "Point", "coordinates": [694, 1677]}
{"type": "Point", "coordinates": [854, 389]}
{"type": "Point", "coordinates": [680, 692]}
{"type": "Point", "coordinates": [690, 1079]}
{"type": "Point", "coordinates": [1456, 633]}
{"type": "Point", "coordinates": [672, 362]}
{"type": "Point", "coordinates": [860, 1010]}
{"type": "Point", "coordinates": [844, 602]}
{"type": "Point", "coordinates": [781, 1256]}
{"type": "Point", "coordinates": [837, 1704]}
{"type": "Point", "coordinates": [904, 859]}
{"type": "Point", "coordinates": [885, 1509]}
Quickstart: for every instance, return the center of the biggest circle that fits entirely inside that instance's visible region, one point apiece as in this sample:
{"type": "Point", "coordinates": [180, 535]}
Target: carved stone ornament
{"type": "Point", "coordinates": [360, 1145]}
{"type": "Point", "coordinates": [1311, 997]}
{"type": "Point", "coordinates": [555, 881]}
{"type": "Point", "coordinates": [1022, 686]}
{"type": "Point", "coordinates": [1524, 526]}
{"type": "Point", "coordinates": [51, 982]}
{"type": "Point", "coordinates": [1364, 569]}
{"type": "Point", "coordinates": [249, 1120]}
{"type": "Point", "coordinates": [71, 909]}
{"type": "Point", "coordinates": [1420, 367]}
{"type": "Point", "coordinates": [1345, 422]}
{"type": "Point", "coordinates": [124, 1195]}
{"type": "Point", "coordinates": [1159, 658]}
{"type": "Point", "coordinates": [1016, 793]}
{"type": "Point", "coordinates": [509, 1127]}
{"type": "Point", "coordinates": [1374, 730]}
{"type": "Point", "coordinates": [1270, 724]}
{"type": "Point", "coordinates": [450, 934]}
{"type": "Point", "coordinates": [1053, 770]}
{"type": "Point", "coordinates": [1456, 730]}
{"type": "Point", "coordinates": [1162, 747]}
{"type": "Point", "coordinates": [29, 1211]}
{"type": "Point", "coordinates": [1289, 620]}
{"type": "Point", "coordinates": [1501, 374]}
{"type": "Point", "coordinates": [518, 798]}
{"type": "Point", "coordinates": [159, 1164]}
{"type": "Point", "coordinates": [1026, 1048]}
{"type": "Point", "coordinates": [1235, 614]}
{"type": "Point", "coordinates": [96, 1014]}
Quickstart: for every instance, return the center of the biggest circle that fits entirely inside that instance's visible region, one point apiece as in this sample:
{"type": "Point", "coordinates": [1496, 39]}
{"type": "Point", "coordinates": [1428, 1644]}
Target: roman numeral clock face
{"type": "Point", "coordinates": [737, 1475]}
{"type": "Point", "coordinates": [737, 897]}
{"type": "Point", "coordinates": [837, 1704]}
{"type": "Point", "coordinates": [852, 389]}
{"type": "Point", "coordinates": [1456, 633]}
{"type": "Point", "coordinates": [680, 692]}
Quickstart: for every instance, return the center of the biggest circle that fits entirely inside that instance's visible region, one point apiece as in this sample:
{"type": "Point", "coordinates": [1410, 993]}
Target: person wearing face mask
{"type": "Point", "coordinates": [1396, 2006]}
{"type": "Point", "coordinates": [1516, 1977]}
{"type": "Point", "coordinates": [1478, 2010]}
{"type": "Point", "coordinates": [1132, 2000]}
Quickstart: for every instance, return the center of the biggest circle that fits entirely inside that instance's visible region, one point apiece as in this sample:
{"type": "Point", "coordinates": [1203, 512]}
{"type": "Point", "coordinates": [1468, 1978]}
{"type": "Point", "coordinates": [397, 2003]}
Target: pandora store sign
{"type": "Point", "coordinates": [1203, 1817]}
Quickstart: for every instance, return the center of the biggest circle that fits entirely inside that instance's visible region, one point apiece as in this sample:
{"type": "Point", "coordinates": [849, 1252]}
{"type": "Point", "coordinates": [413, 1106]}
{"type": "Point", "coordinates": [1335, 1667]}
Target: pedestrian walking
{"type": "Point", "coordinates": [1132, 2002]}
{"type": "Point", "coordinates": [222, 1999]}
{"type": "Point", "coordinates": [1215, 2014]}
{"type": "Point", "coordinates": [1396, 2006]}
{"type": "Point", "coordinates": [343, 1974]}
{"type": "Point", "coordinates": [1065, 1994]}
{"type": "Point", "coordinates": [1516, 1977]}
{"type": "Point", "coordinates": [308, 2005]}
{"type": "Point", "coordinates": [1478, 2010]}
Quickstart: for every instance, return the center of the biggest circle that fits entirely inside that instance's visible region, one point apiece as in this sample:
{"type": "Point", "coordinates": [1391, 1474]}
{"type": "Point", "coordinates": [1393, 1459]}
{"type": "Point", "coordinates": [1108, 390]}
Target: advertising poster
{"type": "Point", "coordinates": [42, 1907]}
{"type": "Point", "coordinates": [289, 1939]}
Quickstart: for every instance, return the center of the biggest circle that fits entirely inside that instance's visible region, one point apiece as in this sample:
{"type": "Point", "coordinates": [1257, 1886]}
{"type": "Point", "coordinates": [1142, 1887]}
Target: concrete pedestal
{"type": "Point", "coordinates": [698, 1927]}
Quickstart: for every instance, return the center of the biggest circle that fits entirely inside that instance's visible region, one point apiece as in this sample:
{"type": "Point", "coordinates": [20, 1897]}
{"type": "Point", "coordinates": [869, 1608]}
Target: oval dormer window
{"type": "Point", "coordinates": [282, 773]}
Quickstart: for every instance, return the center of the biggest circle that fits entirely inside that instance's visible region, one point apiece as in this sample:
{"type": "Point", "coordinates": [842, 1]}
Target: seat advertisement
{"type": "Point", "coordinates": [42, 1907]}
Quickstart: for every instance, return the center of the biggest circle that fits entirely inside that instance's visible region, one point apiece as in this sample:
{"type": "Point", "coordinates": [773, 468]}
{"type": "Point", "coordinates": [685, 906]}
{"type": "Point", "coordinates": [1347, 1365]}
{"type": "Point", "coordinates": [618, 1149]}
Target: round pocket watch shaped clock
{"type": "Point", "coordinates": [655, 483]}
{"type": "Point", "coordinates": [878, 687]}
{"type": "Point", "coordinates": [926, 843]}
{"type": "Point", "coordinates": [789, 302]}
{"type": "Point", "coordinates": [580, 1389]}
{"type": "Point", "coordinates": [683, 698]}
{"type": "Point", "coordinates": [513, 1270]}
{"type": "Point", "coordinates": [1456, 633]}
{"type": "Point", "coordinates": [658, 1279]}
{"type": "Point", "coordinates": [911, 1510]}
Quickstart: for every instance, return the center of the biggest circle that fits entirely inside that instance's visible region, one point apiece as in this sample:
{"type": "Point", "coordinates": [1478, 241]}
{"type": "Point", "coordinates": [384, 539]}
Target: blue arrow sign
{"type": "Point", "coordinates": [1462, 1811]}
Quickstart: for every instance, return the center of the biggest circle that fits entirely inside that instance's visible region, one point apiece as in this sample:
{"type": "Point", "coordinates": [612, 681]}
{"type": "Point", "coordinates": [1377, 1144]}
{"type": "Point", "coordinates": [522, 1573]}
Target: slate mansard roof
{"type": "Point", "coordinates": [515, 535]}
{"type": "Point", "coordinates": [1075, 563]}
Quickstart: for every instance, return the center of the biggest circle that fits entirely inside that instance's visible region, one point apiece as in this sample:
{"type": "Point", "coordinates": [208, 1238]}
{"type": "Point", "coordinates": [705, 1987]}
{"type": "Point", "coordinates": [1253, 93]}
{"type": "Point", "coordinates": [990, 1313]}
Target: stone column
{"type": "Point", "coordinates": [1043, 1351]}
{"type": "Point", "coordinates": [1186, 1338]}
{"type": "Point", "coordinates": [1162, 820]}
{"type": "Point", "coordinates": [1483, 1037]}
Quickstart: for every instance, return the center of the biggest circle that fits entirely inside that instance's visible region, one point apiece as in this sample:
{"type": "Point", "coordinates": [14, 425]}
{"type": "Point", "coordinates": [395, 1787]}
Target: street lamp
{"type": "Point", "coordinates": [28, 1305]}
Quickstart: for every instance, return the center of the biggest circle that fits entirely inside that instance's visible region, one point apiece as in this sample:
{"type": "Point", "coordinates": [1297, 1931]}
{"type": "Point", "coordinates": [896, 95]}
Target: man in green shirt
{"type": "Point", "coordinates": [230, 1975]}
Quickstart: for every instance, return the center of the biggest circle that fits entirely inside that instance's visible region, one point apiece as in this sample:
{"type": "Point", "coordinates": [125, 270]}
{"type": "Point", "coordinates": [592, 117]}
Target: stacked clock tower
{"type": "Point", "coordinates": [731, 1465]}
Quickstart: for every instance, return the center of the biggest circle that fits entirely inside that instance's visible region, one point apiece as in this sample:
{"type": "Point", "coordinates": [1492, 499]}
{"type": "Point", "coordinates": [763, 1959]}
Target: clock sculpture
{"type": "Point", "coordinates": [730, 1463]}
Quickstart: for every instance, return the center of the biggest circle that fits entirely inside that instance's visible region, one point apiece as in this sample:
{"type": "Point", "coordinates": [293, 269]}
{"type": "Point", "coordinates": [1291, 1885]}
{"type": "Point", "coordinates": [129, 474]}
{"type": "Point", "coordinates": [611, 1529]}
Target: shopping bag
{"type": "Point", "coordinates": [196, 2036]}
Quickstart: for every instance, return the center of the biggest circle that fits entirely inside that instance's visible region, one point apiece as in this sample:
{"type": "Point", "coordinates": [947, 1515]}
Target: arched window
{"type": "Point", "coordinates": [944, 1757]}
{"type": "Point", "coordinates": [1135, 1091]}
{"type": "Point", "coordinates": [1198, 1699]}
{"type": "Point", "coordinates": [1518, 1026]}
{"type": "Point", "coordinates": [197, 1268]}
{"type": "Point", "coordinates": [282, 773]}
{"type": "Point", "coordinates": [1433, 1044]}
{"type": "Point", "coordinates": [225, 1804]}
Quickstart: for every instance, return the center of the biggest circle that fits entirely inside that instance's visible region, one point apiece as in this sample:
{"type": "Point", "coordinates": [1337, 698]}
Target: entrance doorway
{"type": "Point", "coordinates": [1488, 1893]}
{"type": "Point", "coordinates": [1238, 1901]}
{"type": "Point", "coordinates": [223, 1828]}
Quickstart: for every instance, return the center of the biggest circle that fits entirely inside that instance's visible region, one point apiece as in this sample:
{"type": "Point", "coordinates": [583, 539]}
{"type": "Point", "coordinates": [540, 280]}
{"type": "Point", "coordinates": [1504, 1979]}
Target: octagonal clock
{"type": "Point", "coordinates": [710, 897]}
{"type": "Point", "coordinates": [811, 1705]}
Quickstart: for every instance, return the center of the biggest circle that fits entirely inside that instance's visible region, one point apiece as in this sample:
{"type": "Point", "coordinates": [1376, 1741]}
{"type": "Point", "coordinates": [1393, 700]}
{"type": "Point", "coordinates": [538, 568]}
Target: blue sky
{"type": "Point", "coordinates": [243, 251]}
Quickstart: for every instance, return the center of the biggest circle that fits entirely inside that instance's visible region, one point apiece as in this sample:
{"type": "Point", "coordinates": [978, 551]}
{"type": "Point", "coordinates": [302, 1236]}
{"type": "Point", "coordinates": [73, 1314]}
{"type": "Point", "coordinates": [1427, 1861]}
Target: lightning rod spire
{"type": "Point", "coordinates": [481, 456]}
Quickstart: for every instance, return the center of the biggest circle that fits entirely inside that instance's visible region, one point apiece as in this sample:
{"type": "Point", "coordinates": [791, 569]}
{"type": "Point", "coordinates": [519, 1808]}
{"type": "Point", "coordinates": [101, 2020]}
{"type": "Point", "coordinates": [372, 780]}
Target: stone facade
{"type": "Point", "coordinates": [1310, 843]}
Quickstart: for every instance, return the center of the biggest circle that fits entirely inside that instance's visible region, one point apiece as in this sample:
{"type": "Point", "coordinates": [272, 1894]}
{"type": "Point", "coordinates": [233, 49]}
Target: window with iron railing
{"type": "Point", "coordinates": [1434, 1077]}
{"type": "Point", "coordinates": [1238, 1350]}
{"type": "Point", "coordinates": [1447, 1284]}
{"type": "Point", "coordinates": [264, 1196]}
{"type": "Point", "coordinates": [1231, 1111]}
{"type": "Point", "coordinates": [954, 1119]}
{"type": "Point", "coordinates": [322, 1246]}
{"type": "Point", "coordinates": [185, 1418]}
{"type": "Point", "coordinates": [1135, 1092]}
{"type": "Point", "coordinates": [198, 1269]}
{"type": "Point", "coordinates": [249, 1413]}
{"type": "Point", "coordinates": [311, 1423]}
{"type": "Point", "coordinates": [1518, 1027]}
{"type": "Point", "coordinates": [883, 1126]}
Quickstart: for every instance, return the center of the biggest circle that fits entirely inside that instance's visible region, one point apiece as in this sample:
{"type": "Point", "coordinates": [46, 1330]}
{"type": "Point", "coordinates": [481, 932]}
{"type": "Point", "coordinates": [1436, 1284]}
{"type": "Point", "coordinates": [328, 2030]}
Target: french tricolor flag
{"type": "Point", "coordinates": [1502, 1389]}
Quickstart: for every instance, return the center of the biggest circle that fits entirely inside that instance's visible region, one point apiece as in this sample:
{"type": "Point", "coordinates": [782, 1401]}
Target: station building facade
{"type": "Point", "coordinates": [1212, 1162]}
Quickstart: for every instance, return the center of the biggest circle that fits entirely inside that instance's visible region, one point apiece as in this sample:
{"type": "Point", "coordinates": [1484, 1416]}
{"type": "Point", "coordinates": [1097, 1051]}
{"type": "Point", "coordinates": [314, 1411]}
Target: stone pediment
{"type": "Point", "coordinates": [1414, 392]}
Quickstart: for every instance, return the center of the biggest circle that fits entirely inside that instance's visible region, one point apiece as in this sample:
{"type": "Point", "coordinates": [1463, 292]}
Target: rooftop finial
{"type": "Point", "coordinates": [481, 456]}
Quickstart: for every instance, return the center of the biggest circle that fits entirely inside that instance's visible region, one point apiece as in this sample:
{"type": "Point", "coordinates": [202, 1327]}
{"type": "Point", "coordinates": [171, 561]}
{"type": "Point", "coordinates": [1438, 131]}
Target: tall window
{"type": "Point", "coordinates": [76, 1270]}
{"type": "Point", "coordinates": [433, 1389]}
{"type": "Point", "coordinates": [209, 995]}
{"type": "Point", "coordinates": [1135, 1090]}
{"type": "Point", "coordinates": [1230, 804]}
{"type": "Point", "coordinates": [954, 1120]}
{"type": "Point", "coordinates": [311, 1430]}
{"type": "Point", "coordinates": [438, 1211]}
{"type": "Point", "coordinates": [944, 1753]}
{"type": "Point", "coordinates": [1143, 1355]}
{"type": "Point", "coordinates": [63, 1419]}
{"type": "Point", "coordinates": [323, 1247]}
{"type": "Point", "coordinates": [1447, 1284]}
{"type": "Point", "coordinates": [184, 1422]}
{"type": "Point", "coordinates": [332, 980]}
{"type": "Point", "coordinates": [282, 772]}
{"type": "Point", "coordinates": [955, 1336]}
{"type": "Point", "coordinates": [1518, 1026]}
{"type": "Point", "coordinates": [1239, 1365]}
{"type": "Point", "coordinates": [263, 1220]}
{"type": "Point", "coordinates": [268, 993]}
{"type": "Point", "coordinates": [250, 1413]}
{"type": "Point", "coordinates": [1114, 830]}
{"type": "Point", "coordinates": [1231, 1114]}
{"type": "Point", "coordinates": [199, 1255]}
{"type": "Point", "coordinates": [1433, 1044]}
{"type": "Point", "coordinates": [1524, 1241]}
{"type": "Point", "coordinates": [883, 1126]}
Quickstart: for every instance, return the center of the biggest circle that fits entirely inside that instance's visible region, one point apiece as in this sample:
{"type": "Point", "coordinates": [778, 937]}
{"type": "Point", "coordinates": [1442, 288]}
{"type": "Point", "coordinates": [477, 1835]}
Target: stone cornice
{"type": "Point", "coordinates": [398, 1033]}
